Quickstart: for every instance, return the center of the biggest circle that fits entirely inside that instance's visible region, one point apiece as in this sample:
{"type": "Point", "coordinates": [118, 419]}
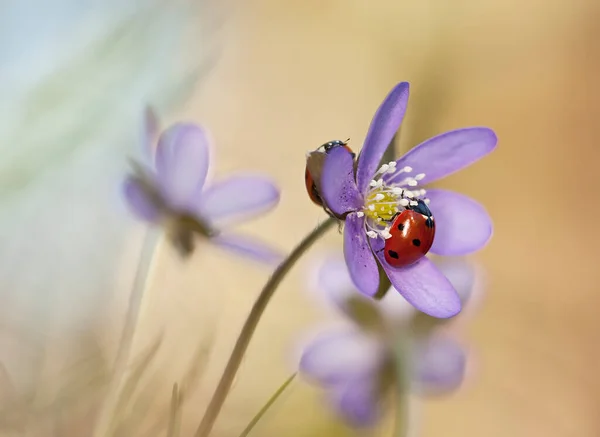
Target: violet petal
{"type": "Point", "coordinates": [422, 285]}
{"type": "Point", "coordinates": [237, 197]}
{"type": "Point", "coordinates": [461, 275]}
{"type": "Point", "coordinates": [357, 401]}
{"type": "Point", "coordinates": [361, 263]}
{"type": "Point", "coordinates": [447, 153]}
{"type": "Point", "coordinates": [385, 124]}
{"type": "Point", "coordinates": [250, 247]}
{"type": "Point", "coordinates": [182, 163]}
{"type": "Point", "coordinates": [149, 132]}
{"type": "Point", "coordinates": [439, 365]}
{"type": "Point", "coordinates": [337, 182]}
{"type": "Point", "coordinates": [339, 356]}
{"type": "Point", "coordinates": [139, 202]}
{"type": "Point", "coordinates": [462, 225]}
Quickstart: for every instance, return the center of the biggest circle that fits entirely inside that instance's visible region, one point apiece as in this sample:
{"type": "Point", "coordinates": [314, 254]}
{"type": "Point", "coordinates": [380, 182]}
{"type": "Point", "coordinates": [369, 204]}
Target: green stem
{"type": "Point", "coordinates": [402, 378]}
{"type": "Point", "coordinates": [220, 394]}
{"type": "Point", "coordinates": [268, 405]}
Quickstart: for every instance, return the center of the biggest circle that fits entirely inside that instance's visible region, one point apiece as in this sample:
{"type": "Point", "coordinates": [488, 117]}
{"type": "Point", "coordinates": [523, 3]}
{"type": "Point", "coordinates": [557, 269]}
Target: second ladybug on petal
{"type": "Point", "coordinates": [314, 163]}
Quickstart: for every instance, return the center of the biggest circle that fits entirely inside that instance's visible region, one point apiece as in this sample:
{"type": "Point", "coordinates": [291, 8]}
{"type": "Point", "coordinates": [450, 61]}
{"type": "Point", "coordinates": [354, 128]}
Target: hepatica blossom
{"type": "Point", "coordinates": [357, 363]}
{"type": "Point", "coordinates": [175, 193]}
{"type": "Point", "coordinates": [368, 196]}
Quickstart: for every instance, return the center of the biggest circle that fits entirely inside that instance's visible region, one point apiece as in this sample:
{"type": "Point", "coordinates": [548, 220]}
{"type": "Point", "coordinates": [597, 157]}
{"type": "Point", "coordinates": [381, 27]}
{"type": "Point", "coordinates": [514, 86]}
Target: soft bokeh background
{"type": "Point", "coordinates": [272, 80]}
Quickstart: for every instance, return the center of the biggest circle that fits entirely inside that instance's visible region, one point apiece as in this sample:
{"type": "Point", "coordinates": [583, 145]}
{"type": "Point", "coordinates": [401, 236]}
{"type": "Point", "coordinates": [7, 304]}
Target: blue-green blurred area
{"type": "Point", "coordinates": [272, 80]}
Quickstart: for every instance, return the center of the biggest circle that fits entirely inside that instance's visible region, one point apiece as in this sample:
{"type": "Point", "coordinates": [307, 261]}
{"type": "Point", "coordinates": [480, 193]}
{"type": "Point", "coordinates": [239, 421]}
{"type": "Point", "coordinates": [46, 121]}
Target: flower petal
{"type": "Point", "coordinates": [439, 365]}
{"type": "Point", "coordinates": [237, 197]}
{"type": "Point", "coordinates": [385, 124]}
{"type": "Point", "coordinates": [250, 247]}
{"type": "Point", "coordinates": [337, 357]}
{"type": "Point", "coordinates": [337, 182]}
{"type": "Point", "coordinates": [357, 401]}
{"type": "Point", "coordinates": [461, 275]}
{"type": "Point", "coordinates": [149, 132]}
{"type": "Point", "coordinates": [447, 153]}
{"type": "Point", "coordinates": [462, 225]}
{"type": "Point", "coordinates": [139, 202]}
{"type": "Point", "coordinates": [182, 163]}
{"type": "Point", "coordinates": [359, 257]}
{"type": "Point", "coordinates": [422, 285]}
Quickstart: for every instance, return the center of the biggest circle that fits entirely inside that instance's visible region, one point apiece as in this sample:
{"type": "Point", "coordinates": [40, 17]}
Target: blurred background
{"type": "Point", "coordinates": [273, 80]}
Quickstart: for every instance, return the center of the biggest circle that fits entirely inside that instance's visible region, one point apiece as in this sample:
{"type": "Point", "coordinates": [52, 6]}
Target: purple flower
{"type": "Point", "coordinates": [175, 194]}
{"type": "Point", "coordinates": [356, 364]}
{"type": "Point", "coordinates": [368, 197]}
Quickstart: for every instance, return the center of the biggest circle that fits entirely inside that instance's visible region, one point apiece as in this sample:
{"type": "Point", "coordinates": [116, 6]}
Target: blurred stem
{"type": "Point", "coordinates": [268, 405]}
{"type": "Point", "coordinates": [402, 378]}
{"type": "Point", "coordinates": [220, 394]}
{"type": "Point", "coordinates": [173, 428]}
{"type": "Point", "coordinates": [104, 424]}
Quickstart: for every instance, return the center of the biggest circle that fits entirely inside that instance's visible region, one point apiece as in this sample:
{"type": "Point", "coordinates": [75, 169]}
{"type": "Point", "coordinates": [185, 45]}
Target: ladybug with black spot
{"type": "Point", "coordinates": [412, 232]}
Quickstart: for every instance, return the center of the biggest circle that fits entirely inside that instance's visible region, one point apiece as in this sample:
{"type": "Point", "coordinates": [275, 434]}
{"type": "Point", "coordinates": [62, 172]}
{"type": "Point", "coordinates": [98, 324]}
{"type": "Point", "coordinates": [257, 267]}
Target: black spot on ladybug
{"type": "Point", "coordinates": [393, 254]}
{"type": "Point", "coordinates": [400, 226]}
{"type": "Point", "coordinates": [416, 242]}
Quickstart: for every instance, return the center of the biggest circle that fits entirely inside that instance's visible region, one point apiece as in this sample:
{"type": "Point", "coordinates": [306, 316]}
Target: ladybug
{"type": "Point", "coordinates": [412, 233]}
{"type": "Point", "coordinates": [317, 158]}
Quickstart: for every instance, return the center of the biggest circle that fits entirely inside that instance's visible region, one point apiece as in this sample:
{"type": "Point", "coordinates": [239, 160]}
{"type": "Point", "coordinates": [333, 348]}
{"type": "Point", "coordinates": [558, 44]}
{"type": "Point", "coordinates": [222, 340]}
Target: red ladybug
{"type": "Point", "coordinates": [412, 233]}
{"type": "Point", "coordinates": [309, 180]}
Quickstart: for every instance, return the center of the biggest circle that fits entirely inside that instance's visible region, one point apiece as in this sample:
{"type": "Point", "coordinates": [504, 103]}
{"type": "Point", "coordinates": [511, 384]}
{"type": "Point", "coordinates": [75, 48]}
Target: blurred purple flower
{"type": "Point", "coordinates": [368, 197]}
{"type": "Point", "coordinates": [356, 364]}
{"type": "Point", "coordinates": [176, 196]}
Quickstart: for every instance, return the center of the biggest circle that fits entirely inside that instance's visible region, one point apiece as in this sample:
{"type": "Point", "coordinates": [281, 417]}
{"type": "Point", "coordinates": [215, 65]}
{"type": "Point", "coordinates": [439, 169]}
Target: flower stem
{"type": "Point", "coordinates": [119, 370]}
{"type": "Point", "coordinates": [220, 394]}
{"type": "Point", "coordinates": [268, 405]}
{"type": "Point", "coordinates": [402, 391]}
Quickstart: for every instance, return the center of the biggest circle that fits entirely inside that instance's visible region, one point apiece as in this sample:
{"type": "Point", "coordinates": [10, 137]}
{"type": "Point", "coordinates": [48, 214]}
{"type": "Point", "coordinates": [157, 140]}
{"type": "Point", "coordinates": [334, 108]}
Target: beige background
{"type": "Point", "coordinates": [290, 76]}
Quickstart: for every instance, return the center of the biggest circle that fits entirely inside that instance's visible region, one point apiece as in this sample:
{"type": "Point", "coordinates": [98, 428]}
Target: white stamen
{"type": "Point", "coordinates": [397, 191]}
{"type": "Point", "coordinates": [373, 183]}
{"type": "Point", "coordinates": [372, 207]}
{"type": "Point", "coordinates": [360, 214]}
{"type": "Point", "coordinates": [407, 169]}
{"type": "Point", "coordinates": [392, 163]}
{"type": "Point", "coordinates": [420, 176]}
{"type": "Point", "coordinates": [379, 197]}
{"type": "Point", "coordinates": [403, 202]}
{"type": "Point", "coordinates": [414, 203]}
{"type": "Point", "coordinates": [412, 182]}
{"type": "Point", "coordinates": [409, 193]}
{"type": "Point", "coordinates": [384, 168]}
{"type": "Point", "coordinates": [372, 234]}
{"type": "Point", "coordinates": [380, 182]}
{"type": "Point", "coordinates": [426, 201]}
{"type": "Point", "coordinates": [386, 234]}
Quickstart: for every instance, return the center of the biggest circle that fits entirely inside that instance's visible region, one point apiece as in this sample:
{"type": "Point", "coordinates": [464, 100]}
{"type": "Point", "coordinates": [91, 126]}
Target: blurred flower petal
{"type": "Point", "coordinates": [439, 365]}
{"type": "Point", "coordinates": [139, 202]}
{"type": "Point", "coordinates": [357, 401]}
{"type": "Point", "coordinates": [250, 247]}
{"type": "Point", "coordinates": [182, 163]}
{"type": "Point", "coordinates": [241, 196]}
{"type": "Point", "coordinates": [339, 356]}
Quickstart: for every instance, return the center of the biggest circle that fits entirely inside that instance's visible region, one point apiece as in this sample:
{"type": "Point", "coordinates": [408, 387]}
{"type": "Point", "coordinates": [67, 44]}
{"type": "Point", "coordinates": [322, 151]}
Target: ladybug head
{"type": "Point", "coordinates": [421, 207]}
